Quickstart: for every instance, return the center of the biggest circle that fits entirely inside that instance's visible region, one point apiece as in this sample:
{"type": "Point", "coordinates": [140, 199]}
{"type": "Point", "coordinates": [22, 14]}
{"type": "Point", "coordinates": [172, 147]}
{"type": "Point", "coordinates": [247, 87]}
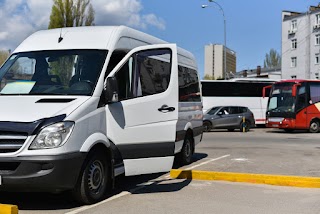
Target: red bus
{"type": "Point", "coordinates": [294, 104]}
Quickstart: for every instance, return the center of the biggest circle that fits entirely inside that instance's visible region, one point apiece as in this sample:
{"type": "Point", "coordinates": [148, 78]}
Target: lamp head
{"type": "Point", "coordinates": [204, 6]}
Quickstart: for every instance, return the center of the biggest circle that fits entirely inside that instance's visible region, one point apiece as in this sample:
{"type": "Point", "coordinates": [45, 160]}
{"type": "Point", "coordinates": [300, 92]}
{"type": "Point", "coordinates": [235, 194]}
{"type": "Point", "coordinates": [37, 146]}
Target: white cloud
{"type": "Point", "coordinates": [20, 18]}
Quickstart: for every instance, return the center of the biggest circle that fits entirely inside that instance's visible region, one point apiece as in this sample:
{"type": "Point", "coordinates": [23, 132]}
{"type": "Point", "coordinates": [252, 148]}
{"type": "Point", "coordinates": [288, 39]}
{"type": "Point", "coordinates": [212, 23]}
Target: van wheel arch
{"type": "Point", "coordinates": [97, 166]}
{"type": "Point", "coordinates": [185, 155]}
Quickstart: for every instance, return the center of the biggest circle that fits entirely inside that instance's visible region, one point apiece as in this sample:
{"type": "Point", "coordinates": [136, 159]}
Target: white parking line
{"type": "Point", "coordinates": [81, 209]}
{"type": "Point", "coordinates": [208, 161]}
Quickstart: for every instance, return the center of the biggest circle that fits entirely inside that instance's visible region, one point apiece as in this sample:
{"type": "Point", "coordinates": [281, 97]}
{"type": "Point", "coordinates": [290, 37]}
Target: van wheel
{"type": "Point", "coordinates": [207, 126]}
{"type": "Point", "coordinates": [93, 179]}
{"type": "Point", "coordinates": [185, 156]}
{"type": "Point", "coordinates": [314, 126]}
{"type": "Point", "coordinates": [245, 125]}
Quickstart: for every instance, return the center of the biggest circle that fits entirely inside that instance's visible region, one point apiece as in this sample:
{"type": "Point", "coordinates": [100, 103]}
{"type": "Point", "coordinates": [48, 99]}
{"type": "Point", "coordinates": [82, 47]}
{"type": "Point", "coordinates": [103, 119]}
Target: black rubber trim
{"type": "Point", "coordinates": [197, 131]}
{"type": "Point", "coordinates": [42, 173]}
{"type": "Point", "coordinates": [146, 150]}
{"type": "Point", "coordinates": [30, 128]}
{"type": "Point", "coordinates": [180, 135]}
{"type": "Point", "coordinates": [55, 100]}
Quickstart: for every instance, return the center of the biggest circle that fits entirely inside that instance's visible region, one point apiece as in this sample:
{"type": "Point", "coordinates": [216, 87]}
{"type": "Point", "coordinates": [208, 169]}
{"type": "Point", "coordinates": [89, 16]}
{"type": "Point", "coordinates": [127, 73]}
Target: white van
{"type": "Point", "coordinates": [80, 106]}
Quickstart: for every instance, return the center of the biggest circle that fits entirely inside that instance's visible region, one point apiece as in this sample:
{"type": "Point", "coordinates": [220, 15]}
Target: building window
{"type": "Point", "coordinates": [294, 77]}
{"type": "Point", "coordinates": [317, 59]}
{"type": "Point", "coordinates": [318, 39]}
{"type": "Point", "coordinates": [293, 62]}
{"type": "Point", "coordinates": [317, 75]}
{"type": "Point", "coordinates": [293, 25]}
{"type": "Point", "coordinates": [317, 19]}
{"type": "Point", "coordinates": [294, 44]}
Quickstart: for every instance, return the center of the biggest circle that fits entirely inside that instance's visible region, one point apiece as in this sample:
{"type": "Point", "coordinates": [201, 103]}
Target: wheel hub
{"type": "Point", "coordinates": [95, 176]}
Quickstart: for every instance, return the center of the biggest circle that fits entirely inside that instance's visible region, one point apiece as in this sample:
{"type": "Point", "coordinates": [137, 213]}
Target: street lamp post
{"type": "Point", "coordinates": [225, 36]}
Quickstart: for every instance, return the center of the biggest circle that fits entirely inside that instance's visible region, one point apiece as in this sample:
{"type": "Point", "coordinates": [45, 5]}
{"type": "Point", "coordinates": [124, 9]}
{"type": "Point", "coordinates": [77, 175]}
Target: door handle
{"type": "Point", "coordinates": [166, 109]}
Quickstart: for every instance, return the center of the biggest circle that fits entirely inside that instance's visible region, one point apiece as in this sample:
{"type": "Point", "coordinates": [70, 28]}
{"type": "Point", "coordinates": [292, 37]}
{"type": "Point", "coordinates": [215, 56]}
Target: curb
{"type": "Point", "coordinates": [278, 180]}
{"type": "Point", "coordinates": [8, 209]}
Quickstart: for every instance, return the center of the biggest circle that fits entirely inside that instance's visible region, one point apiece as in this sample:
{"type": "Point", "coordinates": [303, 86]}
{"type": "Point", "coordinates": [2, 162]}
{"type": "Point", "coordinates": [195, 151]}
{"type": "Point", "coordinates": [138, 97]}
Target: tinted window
{"type": "Point", "coordinates": [213, 110]}
{"type": "Point", "coordinates": [189, 90]}
{"type": "Point", "coordinates": [234, 110]}
{"type": "Point", "coordinates": [315, 92]}
{"type": "Point", "coordinates": [233, 89]}
{"type": "Point", "coordinates": [243, 109]}
{"type": "Point", "coordinates": [145, 73]}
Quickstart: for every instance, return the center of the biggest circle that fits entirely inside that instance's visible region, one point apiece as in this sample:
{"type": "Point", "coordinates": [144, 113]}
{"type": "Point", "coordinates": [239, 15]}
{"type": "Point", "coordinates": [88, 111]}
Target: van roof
{"type": "Point", "coordinates": [89, 37]}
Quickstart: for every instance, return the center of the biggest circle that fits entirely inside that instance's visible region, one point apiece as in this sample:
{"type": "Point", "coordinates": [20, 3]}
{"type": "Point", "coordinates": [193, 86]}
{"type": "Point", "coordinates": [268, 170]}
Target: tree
{"type": "Point", "coordinates": [208, 77]}
{"type": "Point", "coordinates": [3, 56]}
{"type": "Point", "coordinates": [70, 13]}
{"type": "Point", "coordinates": [272, 60]}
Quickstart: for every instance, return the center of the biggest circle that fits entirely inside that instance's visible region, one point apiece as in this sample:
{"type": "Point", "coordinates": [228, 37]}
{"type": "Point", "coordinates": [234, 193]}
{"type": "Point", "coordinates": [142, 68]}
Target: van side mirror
{"type": "Point", "coordinates": [111, 90]}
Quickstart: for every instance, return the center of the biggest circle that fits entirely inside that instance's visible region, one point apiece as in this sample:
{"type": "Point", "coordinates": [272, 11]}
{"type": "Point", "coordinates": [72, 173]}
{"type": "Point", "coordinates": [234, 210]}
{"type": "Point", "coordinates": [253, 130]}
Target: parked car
{"type": "Point", "coordinates": [228, 117]}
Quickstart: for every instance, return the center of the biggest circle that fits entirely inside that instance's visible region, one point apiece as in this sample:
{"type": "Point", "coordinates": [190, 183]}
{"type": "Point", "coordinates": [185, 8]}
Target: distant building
{"type": "Point", "coordinates": [301, 44]}
{"type": "Point", "coordinates": [214, 61]}
{"type": "Point", "coordinates": [264, 73]}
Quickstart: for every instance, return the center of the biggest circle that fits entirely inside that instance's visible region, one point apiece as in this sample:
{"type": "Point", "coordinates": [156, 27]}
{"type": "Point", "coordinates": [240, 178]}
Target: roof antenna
{"type": "Point", "coordinates": [60, 37]}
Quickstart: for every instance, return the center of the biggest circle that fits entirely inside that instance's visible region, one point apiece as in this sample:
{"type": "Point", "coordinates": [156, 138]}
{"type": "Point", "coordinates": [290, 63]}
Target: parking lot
{"type": "Point", "coordinates": [260, 151]}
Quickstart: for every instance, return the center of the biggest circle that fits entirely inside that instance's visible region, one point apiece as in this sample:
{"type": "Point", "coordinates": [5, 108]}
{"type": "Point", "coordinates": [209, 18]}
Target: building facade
{"type": "Point", "coordinates": [301, 44]}
{"type": "Point", "coordinates": [214, 62]}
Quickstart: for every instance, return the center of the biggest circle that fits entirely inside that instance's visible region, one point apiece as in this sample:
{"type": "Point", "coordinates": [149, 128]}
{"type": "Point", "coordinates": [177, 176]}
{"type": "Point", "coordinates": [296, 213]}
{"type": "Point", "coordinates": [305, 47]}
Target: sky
{"type": "Point", "coordinates": [253, 27]}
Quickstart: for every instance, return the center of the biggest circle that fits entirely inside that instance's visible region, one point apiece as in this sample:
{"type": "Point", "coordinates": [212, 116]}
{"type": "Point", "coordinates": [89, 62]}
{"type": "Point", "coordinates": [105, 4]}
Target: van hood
{"type": "Point", "coordinates": [32, 108]}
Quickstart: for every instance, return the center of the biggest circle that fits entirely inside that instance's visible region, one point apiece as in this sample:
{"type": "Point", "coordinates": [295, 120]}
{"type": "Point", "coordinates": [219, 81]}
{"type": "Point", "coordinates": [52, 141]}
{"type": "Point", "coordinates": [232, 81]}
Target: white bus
{"type": "Point", "coordinates": [241, 91]}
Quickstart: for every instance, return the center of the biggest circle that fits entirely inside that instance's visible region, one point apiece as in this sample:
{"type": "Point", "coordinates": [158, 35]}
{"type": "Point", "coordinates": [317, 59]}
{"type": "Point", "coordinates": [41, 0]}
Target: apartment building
{"type": "Point", "coordinates": [301, 44]}
{"type": "Point", "coordinates": [214, 61]}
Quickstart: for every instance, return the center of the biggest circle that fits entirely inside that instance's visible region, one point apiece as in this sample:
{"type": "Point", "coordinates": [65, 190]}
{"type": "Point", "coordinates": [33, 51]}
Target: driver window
{"type": "Point", "coordinates": [145, 73]}
{"type": "Point", "coordinates": [301, 98]}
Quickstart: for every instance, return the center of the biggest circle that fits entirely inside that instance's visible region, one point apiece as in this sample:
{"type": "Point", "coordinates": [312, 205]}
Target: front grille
{"type": "Point", "coordinates": [11, 142]}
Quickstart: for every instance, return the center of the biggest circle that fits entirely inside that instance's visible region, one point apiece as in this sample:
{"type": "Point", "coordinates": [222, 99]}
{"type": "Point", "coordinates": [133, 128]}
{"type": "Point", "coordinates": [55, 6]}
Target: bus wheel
{"type": "Point", "coordinates": [314, 126]}
{"type": "Point", "coordinates": [185, 156]}
{"type": "Point", "coordinates": [93, 179]}
{"type": "Point", "coordinates": [207, 126]}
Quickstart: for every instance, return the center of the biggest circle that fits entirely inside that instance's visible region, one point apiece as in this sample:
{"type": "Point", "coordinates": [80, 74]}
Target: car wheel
{"type": "Point", "coordinates": [93, 179]}
{"type": "Point", "coordinates": [207, 126]}
{"type": "Point", "coordinates": [186, 153]}
{"type": "Point", "coordinates": [314, 126]}
{"type": "Point", "coordinates": [245, 125]}
{"type": "Point", "coordinates": [230, 130]}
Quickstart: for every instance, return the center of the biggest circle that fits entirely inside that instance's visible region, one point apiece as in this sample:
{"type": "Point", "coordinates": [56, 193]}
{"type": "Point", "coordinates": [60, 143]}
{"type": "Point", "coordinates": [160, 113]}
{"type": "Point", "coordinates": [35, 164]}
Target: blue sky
{"type": "Point", "coordinates": [253, 26]}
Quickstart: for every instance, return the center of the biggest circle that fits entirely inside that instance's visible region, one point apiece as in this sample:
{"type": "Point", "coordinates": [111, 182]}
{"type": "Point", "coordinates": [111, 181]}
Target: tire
{"type": "Point", "coordinates": [230, 130]}
{"type": "Point", "coordinates": [186, 153]}
{"type": "Point", "coordinates": [246, 125]}
{"type": "Point", "coordinates": [207, 126]}
{"type": "Point", "coordinates": [314, 127]}
{"type": "Point", "coordinates": [93, 179]}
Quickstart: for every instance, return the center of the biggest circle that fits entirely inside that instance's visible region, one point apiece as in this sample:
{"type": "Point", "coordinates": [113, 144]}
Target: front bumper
{"type": "Point", "coordinates": [282, 124]}
{"type": "Point", "coordinates": [40, 173]}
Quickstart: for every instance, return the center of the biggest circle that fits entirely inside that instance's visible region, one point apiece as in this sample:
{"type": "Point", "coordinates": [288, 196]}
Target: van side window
{"type": "Point", "coordinates": [189, 90]}
{"type": "Point", "coordinates": [145, 73]}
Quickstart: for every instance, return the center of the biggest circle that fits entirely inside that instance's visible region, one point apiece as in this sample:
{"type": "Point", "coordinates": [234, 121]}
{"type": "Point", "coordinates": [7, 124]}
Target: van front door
{"type": "Point", "coordinates": [142, 124]}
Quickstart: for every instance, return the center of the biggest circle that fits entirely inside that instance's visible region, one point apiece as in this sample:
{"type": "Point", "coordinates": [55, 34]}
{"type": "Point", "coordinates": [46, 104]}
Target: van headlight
{"type": "Point", "coordinates": [53, 136]}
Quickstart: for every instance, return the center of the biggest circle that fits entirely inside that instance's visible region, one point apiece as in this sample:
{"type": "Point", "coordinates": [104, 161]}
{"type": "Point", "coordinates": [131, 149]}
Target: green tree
{"type": "Point", "coordinates": [272, 60]}
{"type": "Point", "coordinates": [71, 13]}
{"type": "Point", "coordinates": [208, 77]}
{"type": "Point", "coordinates": [3, 56]}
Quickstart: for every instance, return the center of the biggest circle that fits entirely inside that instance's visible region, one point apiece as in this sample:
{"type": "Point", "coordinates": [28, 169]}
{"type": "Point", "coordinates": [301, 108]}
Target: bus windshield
{"type": "Point", "coordinates": [281, 99]}
{"type": "Point", "coordinates": [58, 72]}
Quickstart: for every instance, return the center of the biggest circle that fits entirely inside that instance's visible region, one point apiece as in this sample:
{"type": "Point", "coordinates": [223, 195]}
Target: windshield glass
{"type": "Point", "coordinates": [61, 72]}
{"type": "Point", "coordinates": [213, 110]}
{"type": "Point", "coordinates": [281, 99]}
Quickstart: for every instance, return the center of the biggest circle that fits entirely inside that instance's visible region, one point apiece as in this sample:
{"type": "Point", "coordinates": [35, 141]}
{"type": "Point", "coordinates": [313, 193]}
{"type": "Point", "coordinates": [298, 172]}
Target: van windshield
{"type": "Point", "coordinates": [59, 72]}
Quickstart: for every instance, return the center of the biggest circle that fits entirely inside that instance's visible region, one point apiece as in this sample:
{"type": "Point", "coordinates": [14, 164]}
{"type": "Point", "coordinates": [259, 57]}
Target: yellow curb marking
{"type": "Point", "coordinates": [278, 180]}
{"type": "Point", "coordinates": [8, 209]}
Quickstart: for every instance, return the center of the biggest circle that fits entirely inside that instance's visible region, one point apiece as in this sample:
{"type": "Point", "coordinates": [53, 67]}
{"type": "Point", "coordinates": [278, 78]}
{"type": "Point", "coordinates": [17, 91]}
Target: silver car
{"type": "Point", "coordinates": [228, 117]}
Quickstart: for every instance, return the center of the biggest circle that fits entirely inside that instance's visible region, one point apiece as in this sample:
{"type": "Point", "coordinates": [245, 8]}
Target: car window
{"type": "Point", "coordinates": [243, 109]}
{"type": "Point", "coordinates": [234, 110]}
{"type": "Point", "coordinates": [213, 110]}
{"type": "Point", "coordinates": [225, 110]}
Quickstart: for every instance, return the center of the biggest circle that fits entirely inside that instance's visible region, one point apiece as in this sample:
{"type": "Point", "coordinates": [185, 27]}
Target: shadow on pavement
{"type": "Point", "coordinates": [61, 201]}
